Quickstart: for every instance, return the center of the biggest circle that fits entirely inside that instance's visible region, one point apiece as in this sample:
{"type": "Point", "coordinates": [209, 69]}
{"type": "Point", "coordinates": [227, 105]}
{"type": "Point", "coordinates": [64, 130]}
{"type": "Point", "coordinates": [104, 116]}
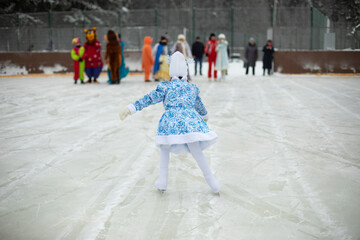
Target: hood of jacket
{"type": "Point", "coordinates": [147, 40]}
{"type": "Point", "coordinates": [177, 65]}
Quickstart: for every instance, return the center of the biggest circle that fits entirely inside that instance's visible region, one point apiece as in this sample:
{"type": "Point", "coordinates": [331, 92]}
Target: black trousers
{"type": "Point", "coordinates": [269, 70]}
{"type": "Point", "coordinates": [247, 70]}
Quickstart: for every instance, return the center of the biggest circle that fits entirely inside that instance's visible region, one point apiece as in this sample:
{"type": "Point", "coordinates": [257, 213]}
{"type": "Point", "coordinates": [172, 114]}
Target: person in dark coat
{"type": "Point", "coordinates": [268, 50]}
{"type": "Point", "coordinates": [251, 55]}
{"type": "Point", "coordinates": [197, 51]}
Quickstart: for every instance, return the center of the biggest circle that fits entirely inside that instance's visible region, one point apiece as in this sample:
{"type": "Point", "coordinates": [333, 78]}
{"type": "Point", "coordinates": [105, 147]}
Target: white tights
{"type": "Point", "coordinates": [197, 153]}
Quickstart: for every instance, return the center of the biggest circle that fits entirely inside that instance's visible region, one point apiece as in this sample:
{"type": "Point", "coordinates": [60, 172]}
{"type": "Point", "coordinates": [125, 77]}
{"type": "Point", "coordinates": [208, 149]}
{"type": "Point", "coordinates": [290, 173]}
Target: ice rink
{"type": "Point", "coordinates": [287, 159]}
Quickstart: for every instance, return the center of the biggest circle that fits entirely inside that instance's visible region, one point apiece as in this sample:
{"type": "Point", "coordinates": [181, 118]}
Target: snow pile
{"type": "Point", "coordinates": [312, 67]}
{"type": "Point", "coordinates": [8, 68]}
{"type": "Point", "coordinates": [51, 70]}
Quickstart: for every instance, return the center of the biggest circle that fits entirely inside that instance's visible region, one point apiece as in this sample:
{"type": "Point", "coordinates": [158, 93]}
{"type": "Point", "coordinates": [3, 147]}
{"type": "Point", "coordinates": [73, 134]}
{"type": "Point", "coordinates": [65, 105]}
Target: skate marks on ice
{"type": "Point", "coordinates": [321, 215]}
{"type": "Point", "coordinates": [287, 166]}
{"type": "Point", "coordinates": [332, 146]}
{"type": "Point", "coordinates": [301, 136]}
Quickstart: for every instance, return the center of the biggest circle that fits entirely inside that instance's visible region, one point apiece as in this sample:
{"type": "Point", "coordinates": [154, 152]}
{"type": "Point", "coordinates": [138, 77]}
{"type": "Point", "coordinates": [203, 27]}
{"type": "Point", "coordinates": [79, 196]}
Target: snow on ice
{"type": "Point", "coordinates": [287, 159]}
{"type": "Point", "coordinates": [8, 68]}
{"type": "Point", "coordinates": [51, 70]}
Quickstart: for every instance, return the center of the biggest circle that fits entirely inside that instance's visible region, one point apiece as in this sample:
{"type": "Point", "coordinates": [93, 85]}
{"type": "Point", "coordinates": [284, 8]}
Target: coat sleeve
{"type": "Point", "coordinates": [152, 98]}
{"type": "Point", "coordinates": [149, 55]}
{"type": "Point", "coordinates": [247, 53]}
{"type": "Point", "coordinates": [106, 53]}
{"type": "Point", "coordinates": [202, 49]}
{"type": "Point", "coordinates": [218, 47]}
{"type": "Point", "coordinates": [188, 50]}
{"type": "Point", "coordinates": [154, 50]}
{"type": "Point", "coordinates": [200, 107]}
{"type": "Point", "coordinates": [173, 49]}
{"type": "Point", "coordinates": [74, 56]}
{"type": "Point", "coordinates": [206, 49]}
{"type": "Point", "coordinates": [82, 52]}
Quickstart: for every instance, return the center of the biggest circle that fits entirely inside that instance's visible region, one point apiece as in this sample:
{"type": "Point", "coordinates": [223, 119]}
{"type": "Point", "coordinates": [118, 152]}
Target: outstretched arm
{"type": "Point", "coordinates": [153, 97]}
{"type": "Point", "coordinates": [200, 107]}
{"type": "Point", "coordinates": [74, 56]}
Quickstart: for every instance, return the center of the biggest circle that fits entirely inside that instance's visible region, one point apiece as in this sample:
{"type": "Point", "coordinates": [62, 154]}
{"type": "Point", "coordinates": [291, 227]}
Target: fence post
{"type": "Point", "coordinates": [232, 30]}
{"type": "Point", "coordinates": [50, 25]}
{"type": "Point", "coordinates": [139, 37]}
{"type": "Point", "coordinates": [274, 15]}
{"type": "Point", "coordinates": [193, 36]}
{"type": "Point", "coordinates": [156, 24]}
{"type": "Point", "coordinates": [83, 15]}
{"type": "Point", "coordinates": [119, 20]}
{"type": "Point", "coordinates": [311, 28]}
{"type": "Point", "coordinates": [18, 31]}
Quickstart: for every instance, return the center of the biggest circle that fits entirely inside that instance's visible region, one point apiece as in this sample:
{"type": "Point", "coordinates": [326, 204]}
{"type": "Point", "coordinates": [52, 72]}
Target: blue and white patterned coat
{"type": "Point", "coordinates": [183, 120]}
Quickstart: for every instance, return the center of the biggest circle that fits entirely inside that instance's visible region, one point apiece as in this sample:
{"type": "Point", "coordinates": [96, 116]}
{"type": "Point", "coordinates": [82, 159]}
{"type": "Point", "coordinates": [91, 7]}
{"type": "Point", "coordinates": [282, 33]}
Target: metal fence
{"type": "Point", "coordinates": [290, 28]}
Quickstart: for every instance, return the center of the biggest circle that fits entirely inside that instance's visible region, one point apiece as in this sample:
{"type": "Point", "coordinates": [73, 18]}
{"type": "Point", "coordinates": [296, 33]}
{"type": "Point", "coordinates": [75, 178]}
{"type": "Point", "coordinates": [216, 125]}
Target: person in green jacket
{"type": "Point", "coordinates": [77, 54]}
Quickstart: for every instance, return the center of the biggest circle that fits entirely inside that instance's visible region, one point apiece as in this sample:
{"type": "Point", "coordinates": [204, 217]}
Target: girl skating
{"type": "Point", "coordinates": [182, 128]}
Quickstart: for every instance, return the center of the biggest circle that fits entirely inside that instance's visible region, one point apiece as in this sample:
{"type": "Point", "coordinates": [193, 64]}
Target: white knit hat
{"type": "Point", "coordinates": [221, 35]}
{"type": "Point", "coordinates": [177, 65]}
{"type": "Point", "coordinates": [181, 36]}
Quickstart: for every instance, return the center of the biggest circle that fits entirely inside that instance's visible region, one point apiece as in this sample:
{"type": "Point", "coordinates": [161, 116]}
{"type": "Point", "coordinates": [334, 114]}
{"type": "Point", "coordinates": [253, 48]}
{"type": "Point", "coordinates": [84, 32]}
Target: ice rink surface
{"type": "Point", "coordinates": [287, 159]}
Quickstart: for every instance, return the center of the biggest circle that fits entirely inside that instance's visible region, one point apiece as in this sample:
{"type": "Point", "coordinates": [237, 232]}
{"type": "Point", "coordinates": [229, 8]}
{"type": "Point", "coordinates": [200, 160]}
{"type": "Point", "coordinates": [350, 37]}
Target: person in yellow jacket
{"type": "Point", "coordinates": [77, 54]}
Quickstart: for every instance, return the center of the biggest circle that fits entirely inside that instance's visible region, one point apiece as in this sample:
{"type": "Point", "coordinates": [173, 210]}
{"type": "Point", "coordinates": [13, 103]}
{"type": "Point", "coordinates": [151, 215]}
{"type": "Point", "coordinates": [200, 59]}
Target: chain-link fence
{"type": "Point", "coordinates": [290, 28]}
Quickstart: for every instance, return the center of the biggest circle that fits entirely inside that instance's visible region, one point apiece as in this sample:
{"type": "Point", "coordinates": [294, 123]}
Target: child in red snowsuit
{"type": "Point", "coordinates": [210, 52]}
{"type": "Point", "coordinates": [77, 54]}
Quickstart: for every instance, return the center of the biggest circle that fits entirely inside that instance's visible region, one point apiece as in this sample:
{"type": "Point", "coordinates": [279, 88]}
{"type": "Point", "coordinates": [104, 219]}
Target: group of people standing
{"type": "Point", "coordinates": [216, 50]}
{"type": "Point", "coordinates": [88, 57]}
{"type": "Point", "coordinates": [251, 56]}
{"type": "Point", "coordinates": [156, 58]}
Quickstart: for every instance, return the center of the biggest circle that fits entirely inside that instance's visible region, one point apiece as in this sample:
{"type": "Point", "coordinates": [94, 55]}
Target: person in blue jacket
{"type": "Point", "coordinates": [183, 127]}
{"type": "Point", "coordinates": [160, 51]}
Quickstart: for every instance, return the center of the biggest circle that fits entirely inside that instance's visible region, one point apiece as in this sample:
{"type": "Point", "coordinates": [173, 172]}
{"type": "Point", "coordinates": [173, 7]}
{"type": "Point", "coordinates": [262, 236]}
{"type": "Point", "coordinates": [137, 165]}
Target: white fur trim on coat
{"type": "Point", "coordinates": [132, 108]}
{"type": "Point", "coordinates": [178, 143]}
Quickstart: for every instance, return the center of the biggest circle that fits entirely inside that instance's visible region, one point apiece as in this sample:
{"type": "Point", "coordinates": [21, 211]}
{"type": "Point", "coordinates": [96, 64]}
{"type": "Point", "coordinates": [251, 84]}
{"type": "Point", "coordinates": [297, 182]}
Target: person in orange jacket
{"type": "Point", "coordinates": [147, 58]}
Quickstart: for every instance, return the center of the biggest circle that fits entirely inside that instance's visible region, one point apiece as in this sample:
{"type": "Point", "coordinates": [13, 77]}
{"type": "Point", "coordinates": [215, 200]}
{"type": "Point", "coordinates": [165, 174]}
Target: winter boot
{"type": "Point", "coordinates": [75, 81]}
{"type": "Point", "coordinates": [82, 81]}
{"type": "Point", "coordinates": [95, 81]}
{"type": "Point", "coordinates": [88, 81]}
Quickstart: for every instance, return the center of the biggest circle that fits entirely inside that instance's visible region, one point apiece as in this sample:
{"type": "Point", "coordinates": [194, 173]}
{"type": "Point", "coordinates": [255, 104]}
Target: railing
{"type": "Point", "coordinates": [290, 28]}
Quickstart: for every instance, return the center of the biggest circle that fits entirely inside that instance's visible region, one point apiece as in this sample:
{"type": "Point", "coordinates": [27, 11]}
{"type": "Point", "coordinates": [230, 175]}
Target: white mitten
{"type": "Point", "coordinates": [124, 113]}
